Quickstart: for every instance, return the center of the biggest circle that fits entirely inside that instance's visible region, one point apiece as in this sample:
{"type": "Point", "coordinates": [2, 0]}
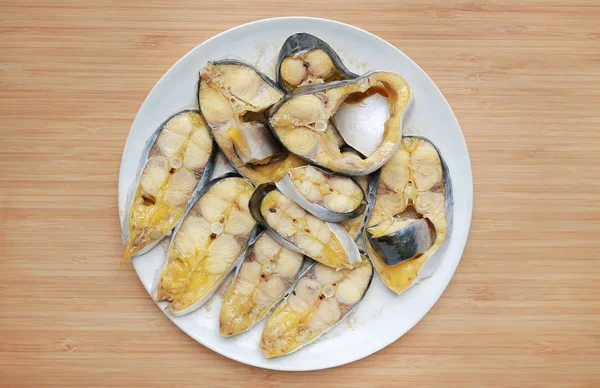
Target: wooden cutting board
{"type": "Point", "coordinates": [524, 81]}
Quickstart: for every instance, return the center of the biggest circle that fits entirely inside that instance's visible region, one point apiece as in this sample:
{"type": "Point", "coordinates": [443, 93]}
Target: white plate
{"type": "Point", "coordinates": [382, 317]}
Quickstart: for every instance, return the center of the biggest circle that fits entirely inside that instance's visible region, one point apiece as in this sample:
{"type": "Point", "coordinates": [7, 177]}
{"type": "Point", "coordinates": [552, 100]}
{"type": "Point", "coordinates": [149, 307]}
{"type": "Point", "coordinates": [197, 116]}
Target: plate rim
{"type": "Point", "coordinates": [445, 280]}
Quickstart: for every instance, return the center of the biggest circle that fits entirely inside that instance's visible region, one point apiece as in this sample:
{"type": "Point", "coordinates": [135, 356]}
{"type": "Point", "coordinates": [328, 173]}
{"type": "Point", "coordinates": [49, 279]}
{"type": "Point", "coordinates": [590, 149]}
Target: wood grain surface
{"type": "Point", "coordinates": [523, 78]}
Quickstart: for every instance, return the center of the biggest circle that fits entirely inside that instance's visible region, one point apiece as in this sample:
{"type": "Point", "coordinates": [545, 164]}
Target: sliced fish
{"type": "Point", "coordinates": [301, 121]}
{"type": "Point", "coordinates": [264, 277]}
{"type": "Point", "coordinates": [233, 97]}
{"type": "Point", "coordinates": [412, 214]}
{"type": "Point", "coordinates": [322, 298]}
{"type": "Point", "coordinates": [305, 59]}
{"type": "Point", "coordinates": [293, 227]}
{"type": "Point", "coordinates": [177, 161]}
{"type": "Point", "coordinates": [208, 244]}
{"type": "Point", "coordinates": [330, 197]}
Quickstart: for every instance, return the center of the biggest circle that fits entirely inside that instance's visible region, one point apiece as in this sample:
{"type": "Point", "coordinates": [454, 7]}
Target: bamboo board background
{"type": "Point", "coordinates": [523, 78]}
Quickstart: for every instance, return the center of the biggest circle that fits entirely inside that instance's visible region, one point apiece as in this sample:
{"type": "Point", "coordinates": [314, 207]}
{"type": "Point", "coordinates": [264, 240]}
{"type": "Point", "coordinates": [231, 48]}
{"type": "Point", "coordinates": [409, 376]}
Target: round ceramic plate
{"type": "Point", "coordinates": [383, 316]}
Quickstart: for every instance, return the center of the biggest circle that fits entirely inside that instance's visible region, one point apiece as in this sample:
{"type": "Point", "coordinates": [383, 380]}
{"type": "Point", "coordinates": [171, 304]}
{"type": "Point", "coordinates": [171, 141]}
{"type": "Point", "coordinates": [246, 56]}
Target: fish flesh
{"type": "Point", "coordinates": [329, 197]}
{"type": "Point", "coordinates": [262, 280]}
{"type": "Point", "coordinates": [412, 214]}
{"type": "Point", "coordinates": [176, 163]}
{"type": "Point", "coordinates": [321, 299]}
{"type": "Point", "coordinates": [302, 122]}
{"type": "Point", "coordinates": [207, 245]}
{"type": "Point", "coordinates": [234, 98]}
{"type": "Point", "coordinates": [293, 227]}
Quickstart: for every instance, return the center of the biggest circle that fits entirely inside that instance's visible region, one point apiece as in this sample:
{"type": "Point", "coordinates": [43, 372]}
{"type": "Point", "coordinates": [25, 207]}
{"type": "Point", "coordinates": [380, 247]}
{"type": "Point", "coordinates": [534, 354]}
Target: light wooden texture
{"type": "Point", "coordinates": [524, 81]}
